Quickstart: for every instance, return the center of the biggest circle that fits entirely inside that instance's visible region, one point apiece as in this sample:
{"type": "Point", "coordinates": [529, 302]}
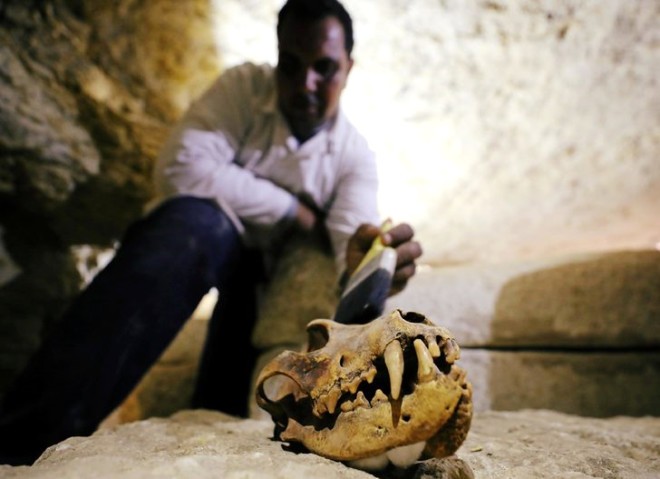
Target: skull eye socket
{"type": "Point", "coordinates": [318, 337]}
{"type": "Point", "coordinates": [279, 386]}
{"type": "Point", "coordinates": [413, 317]}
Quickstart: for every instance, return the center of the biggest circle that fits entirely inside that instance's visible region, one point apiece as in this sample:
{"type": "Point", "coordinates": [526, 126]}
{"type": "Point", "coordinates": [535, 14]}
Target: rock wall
{"type": "Point", "coordinates": [87, 91]}
{"type": "Point", "coordinates": [510, 130]}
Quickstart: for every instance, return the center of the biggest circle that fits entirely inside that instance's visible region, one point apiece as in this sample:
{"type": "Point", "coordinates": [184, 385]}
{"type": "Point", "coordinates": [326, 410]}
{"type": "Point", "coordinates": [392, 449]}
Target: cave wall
{"type": "Point", "coordinates": [87, 91]}
{"type": "Point", "coordinates": [519, 129]}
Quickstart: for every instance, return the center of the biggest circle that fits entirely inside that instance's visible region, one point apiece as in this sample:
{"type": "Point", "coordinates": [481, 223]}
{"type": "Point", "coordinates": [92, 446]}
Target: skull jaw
{"type": "Point", "coordinates": [367, 432]}
{"type": "Point", "coordinates": [452, 435]}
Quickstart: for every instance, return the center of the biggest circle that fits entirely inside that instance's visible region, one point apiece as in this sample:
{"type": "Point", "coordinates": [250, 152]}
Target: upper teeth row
{"type": "Point", "coordinates": [328, 402]}
{"type": "Point", "coordinates": [426, 370]}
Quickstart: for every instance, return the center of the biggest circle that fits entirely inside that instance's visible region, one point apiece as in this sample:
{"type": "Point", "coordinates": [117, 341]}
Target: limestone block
{"type": "Point", "coordinates": [589, 301]}
{"type": "Point", "coordinates": [200, 444]}
{"type": "Point", "coordinates": [303, 288]}
{"type": "Point", "coordinates": [598, 384]}
{"type": "Point", "coordinates": [164, 49]}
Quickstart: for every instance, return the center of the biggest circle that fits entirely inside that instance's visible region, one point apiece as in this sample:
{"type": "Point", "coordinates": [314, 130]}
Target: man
{"type": "Point", "coordinates": [260, 155]}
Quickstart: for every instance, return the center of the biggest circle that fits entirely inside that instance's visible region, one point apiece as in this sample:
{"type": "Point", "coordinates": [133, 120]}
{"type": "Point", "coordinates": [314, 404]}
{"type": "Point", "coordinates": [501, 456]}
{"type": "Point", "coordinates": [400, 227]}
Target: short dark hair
{"type": "Point", "coordinates": [314, 10]}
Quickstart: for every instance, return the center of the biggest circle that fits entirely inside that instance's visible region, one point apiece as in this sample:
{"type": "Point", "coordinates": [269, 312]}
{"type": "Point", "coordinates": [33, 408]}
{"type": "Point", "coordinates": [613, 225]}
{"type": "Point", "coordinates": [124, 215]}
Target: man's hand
{"type": "Point", "coordinates": [399, 237]}
{"type": "Point", "coordinates": [309, 217]}
{"type": "Point", "coordinates": [306, 219]}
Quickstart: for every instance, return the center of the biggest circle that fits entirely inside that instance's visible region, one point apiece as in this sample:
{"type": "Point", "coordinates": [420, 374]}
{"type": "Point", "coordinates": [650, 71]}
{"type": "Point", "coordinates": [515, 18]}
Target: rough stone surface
{"type": "Point", "coordinates": [527, 444]}
{"type": "Point", "coordinates": [304, 287]}
{"type": "Point", "coordinates": [87, 91]}
{"type": "Point", "coordinates": [600, 384]}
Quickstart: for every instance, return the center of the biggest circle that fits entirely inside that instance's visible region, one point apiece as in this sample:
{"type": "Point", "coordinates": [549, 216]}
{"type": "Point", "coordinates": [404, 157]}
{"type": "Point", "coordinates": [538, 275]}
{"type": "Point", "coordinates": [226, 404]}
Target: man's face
{"type": "Point", "coordinates": [312, 69]}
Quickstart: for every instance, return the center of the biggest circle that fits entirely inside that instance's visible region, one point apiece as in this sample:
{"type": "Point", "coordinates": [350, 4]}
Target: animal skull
{"type": "Point", "coordinates": [366, 391]}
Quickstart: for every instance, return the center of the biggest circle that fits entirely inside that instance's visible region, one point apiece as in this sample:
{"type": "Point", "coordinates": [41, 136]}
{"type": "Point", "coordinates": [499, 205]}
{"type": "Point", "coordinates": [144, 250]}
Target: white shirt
{"type": "Point", "coordinates": [235, 147]}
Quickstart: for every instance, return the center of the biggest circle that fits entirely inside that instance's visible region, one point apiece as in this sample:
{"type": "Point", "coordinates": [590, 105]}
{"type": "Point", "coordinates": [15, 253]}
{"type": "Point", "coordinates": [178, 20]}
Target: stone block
{"type": "Point", "coordinates": [595, 384]}
{"type": "Point", "coordinates": [303, 288]}
{"type": "Point", "coordinates": [591, 301]}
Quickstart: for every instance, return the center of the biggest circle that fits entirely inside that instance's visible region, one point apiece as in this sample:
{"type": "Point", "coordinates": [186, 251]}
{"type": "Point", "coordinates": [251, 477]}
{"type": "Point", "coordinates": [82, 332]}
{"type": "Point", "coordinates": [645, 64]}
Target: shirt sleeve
{"type": "Point", "coordinates": [199, 157]}
{"type": "Point", "coordinates": [356, 197]}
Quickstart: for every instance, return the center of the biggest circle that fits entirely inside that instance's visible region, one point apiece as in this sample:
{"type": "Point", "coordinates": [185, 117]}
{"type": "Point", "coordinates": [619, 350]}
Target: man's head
{"type": "Point", "coordinates": [315, 40]}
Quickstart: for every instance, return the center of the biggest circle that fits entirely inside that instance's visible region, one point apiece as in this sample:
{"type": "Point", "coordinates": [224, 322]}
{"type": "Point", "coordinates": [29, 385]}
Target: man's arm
{"type": "Point", "coordinates": [203, 166]}
{"type": "Point", "coordinates": [353, 216]}
{"type": "Point", "coordinates": [199, 157]}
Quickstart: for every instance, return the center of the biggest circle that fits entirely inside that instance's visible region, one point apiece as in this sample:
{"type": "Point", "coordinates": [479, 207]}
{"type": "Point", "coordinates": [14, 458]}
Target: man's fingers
{"type": "Point", "coordinates": [397, 288]}
{"type": "Point", "coordinates": [401, 277]}
{"type": "Point", "coordinates": [404, 273]}
{"type": "Point", "coordinates": [365, 235]}
{"type": "Point", "coordinates": [398, 234]}
{"type": "Point", "coordinates": [398, 237]}
{"type": "Point", "coordinates": [408, 253]}
{"type": "Point", "coordinates": [305, 218]}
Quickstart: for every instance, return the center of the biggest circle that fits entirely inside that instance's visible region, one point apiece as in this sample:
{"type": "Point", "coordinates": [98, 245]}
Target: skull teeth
{"type": "Point", "coordinates": [434, 349]}
{"type": "Point", "coordinates": [425, 366]}
{"type": "Point", "coordinates": [451, 350]}
{"type": "Point", "coordinates": [394, 362]}
{"type": "Point", "coordinates": [360, 401]}
{"type": "Point", "coordinates": [352, 387]}
{"type": "Point", "coordinates": [393, 357]}
{"type": "Point", "coordinates": [332, 399]}
{"type": "Point", "coordinates": [370, 375]}
{"type": "Point", "coordinates": [378, 397]}
{"type": "Point", "coordinates": [327, 403]}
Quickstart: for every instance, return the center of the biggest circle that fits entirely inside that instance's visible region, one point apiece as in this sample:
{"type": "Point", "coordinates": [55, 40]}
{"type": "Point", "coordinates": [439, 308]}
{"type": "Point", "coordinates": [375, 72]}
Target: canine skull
{"type": "Point", "coordinates": [363, 392]}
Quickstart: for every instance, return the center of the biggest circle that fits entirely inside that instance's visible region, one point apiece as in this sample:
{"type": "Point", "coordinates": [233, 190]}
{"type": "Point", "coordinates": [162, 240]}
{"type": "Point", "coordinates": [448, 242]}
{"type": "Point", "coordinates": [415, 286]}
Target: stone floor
{"type": "Point", "coordinates": [202, 444]}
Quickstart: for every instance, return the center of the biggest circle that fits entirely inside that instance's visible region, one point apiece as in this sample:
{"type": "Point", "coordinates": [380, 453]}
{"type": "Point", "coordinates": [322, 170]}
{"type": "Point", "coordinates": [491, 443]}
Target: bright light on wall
{"type": "Point", "coordinates": [245, 31]}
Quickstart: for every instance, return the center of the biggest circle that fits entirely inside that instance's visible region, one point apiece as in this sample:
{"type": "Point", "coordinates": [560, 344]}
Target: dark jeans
{"type": "Point", "coordinates": [122, 322]}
